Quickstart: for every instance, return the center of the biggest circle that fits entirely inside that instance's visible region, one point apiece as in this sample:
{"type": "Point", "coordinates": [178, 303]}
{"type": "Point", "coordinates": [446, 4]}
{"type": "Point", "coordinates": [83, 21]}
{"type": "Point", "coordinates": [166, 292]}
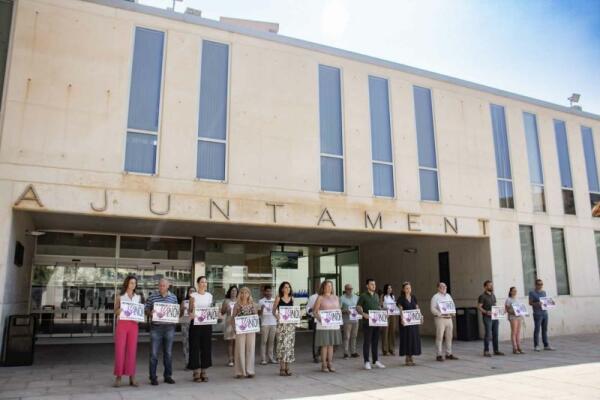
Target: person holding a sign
{"type": "Point", "coordinates": [244, 342]}
{"type": "Point", "coordinates": [229, 326]}
{"type": "Point", "coordinates": [162, 329]}
{"type": "Point", "coordinates": [514, 320]}
{"type": "Point", "coordinates": [127, 308]}
{"type": "Point", "coordinates": [410, 341]}
{"type": "Point", "coordinates": [350, 318]}
{"type": "Point", "coordinates": [200, 336]}
{"type": "Point", "coordinates": [184, 321]}
{"type": "Point", "coordinates": [388, 334]}
{"type": "Point", "coordinates": [485, 303]}
{"type": "Point", "coordinates": [369, 301]}
{"type": "Point", "coordinates": [268, 326]}
{"type": "Point", "coordinates": [540, 316]}
{"type": "Point", "coordinates": [328, 324]}
{"type": "Point", "coordinates": [286, 328]}
{"type": "Point", "coordinates": [443, 309]}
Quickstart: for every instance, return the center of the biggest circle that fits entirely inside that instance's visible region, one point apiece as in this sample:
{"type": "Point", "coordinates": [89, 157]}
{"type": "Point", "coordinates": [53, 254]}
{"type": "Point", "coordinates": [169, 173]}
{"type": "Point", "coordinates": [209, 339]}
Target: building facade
{"type": "Point", "coordinates": [138, 140]}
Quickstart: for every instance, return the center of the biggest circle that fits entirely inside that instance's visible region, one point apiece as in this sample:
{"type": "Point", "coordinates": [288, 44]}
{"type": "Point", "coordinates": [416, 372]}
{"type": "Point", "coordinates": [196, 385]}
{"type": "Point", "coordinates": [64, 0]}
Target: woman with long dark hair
{"type": "Point", "coordinates": [200, 335]}
{"type": "Point", "coordinates": [126, 334]}
{"type": "Point", "coordinates": [229, 328]}
{"type": "Point", "coordinates": [388, 334]}
{"type": "Point", "coordinates": [184, 320]}
{"type": "Point", "coordinates": [286, 333]}
{"type": "Point", "coordinates": [410, 341]}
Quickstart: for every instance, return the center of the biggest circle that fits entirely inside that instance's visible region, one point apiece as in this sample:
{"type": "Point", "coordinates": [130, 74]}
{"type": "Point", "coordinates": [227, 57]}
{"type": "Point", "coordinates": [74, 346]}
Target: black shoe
{"type": "Point", "coordinates": [346, 356]}
{"type": "Point", "coordinates": [315, 360]}
{"type": "Point", "coordinates": [498, 353]}
{"type": "Point", "coordinates": [354, 355]}
{"type": "Point", "coordinates": [154, 382]}
{"type": "Point", "coordinates": [439, 358]}
{"type": "Point", "coordinates": [169, 380]}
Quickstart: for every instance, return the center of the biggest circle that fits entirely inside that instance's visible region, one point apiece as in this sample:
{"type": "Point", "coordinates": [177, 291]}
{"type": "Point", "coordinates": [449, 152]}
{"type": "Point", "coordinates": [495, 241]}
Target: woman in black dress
{"type": "Point", "coordinates": [410, 341]}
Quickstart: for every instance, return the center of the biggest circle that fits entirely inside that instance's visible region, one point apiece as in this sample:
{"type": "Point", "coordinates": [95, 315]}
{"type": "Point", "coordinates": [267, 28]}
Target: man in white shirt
{"type": "Point", "coordinates": [443, 323]}
{"type": "Point", "coordinates": [311, 321]}
{"type": "Point", "coordinates": [350, 328]}
{"type": "Point", "coordinates": [268, 326]}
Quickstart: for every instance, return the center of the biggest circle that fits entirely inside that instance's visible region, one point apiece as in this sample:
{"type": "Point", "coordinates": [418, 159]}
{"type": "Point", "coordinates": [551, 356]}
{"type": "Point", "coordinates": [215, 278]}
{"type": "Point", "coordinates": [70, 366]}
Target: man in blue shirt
{"type": "Point", "coordinates": [540, 316]}
{"type": "Point", "coordinates": [161, 333]}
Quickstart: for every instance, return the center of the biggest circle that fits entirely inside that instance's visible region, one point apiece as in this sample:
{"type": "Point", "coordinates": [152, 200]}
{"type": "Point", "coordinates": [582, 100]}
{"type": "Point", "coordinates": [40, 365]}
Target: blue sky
{"type": "Point", "coordinates": [540, 48]}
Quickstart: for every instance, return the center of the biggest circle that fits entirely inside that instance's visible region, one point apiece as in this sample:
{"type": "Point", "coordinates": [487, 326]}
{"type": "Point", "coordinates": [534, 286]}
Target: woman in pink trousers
{"type": "Point", "coordinates": [126, 334]}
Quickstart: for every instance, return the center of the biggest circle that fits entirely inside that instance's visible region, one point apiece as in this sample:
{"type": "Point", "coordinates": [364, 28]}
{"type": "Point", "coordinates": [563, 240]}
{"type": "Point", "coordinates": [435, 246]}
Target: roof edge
{"type": "Point", "coordinates": [192, 19]}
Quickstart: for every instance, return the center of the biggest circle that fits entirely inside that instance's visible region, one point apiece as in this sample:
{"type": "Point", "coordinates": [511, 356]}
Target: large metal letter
{"type": "Point", "coordinates": [225, 214]}
{"type": "Point", "coordinates": [29, 194]}
{"type": "Point", "coordinates": [414, 222]}
{"type": "Point", "coordinates": [104, 207]}
{"type": "Point", "coordinates": [323, 219]}
{"type": "Point", "coordinates": [447, 224]}
{"type": "Point", "coordinates": [160, 212]}
{"type": "Point", "coordinates": [274, 205]}
{"type": "Point", "coordinates": [369, 221]}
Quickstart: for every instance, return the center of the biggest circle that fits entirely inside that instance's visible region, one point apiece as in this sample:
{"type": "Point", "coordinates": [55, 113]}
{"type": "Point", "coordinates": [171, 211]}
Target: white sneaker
{"type": "Point", "coordinates": [537, 348]}
{"type": "Point", "coordinates": [549, 348]}
{"type": "Point", "coordinates": [367, 365]}
{"type": "Point", "coordinates": [379, 365]}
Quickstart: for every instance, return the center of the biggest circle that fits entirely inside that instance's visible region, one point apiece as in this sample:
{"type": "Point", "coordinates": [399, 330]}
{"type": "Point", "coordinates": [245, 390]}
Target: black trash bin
{"type": "Point", "coordinates": [18, 340]}
{"type": "Point", "coordinates": [467, 324]}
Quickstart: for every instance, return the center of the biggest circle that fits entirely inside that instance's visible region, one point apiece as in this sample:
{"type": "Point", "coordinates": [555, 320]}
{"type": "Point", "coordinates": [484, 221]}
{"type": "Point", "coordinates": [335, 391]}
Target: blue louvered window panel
{"type": "Point", "coordinates": [381, 137]}
{"type": "Point", "coordinates": [330, 123]}
{"type": "Point", "coordinates": [144, 101]}
{"type": "Point", "coordinates": [212, 115]}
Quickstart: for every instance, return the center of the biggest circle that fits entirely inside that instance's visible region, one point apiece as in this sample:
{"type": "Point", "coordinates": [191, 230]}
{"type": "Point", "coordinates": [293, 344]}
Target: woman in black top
{"type": "Point", "coordinates": [286, 333]}
{"type": "Point", "coordinates": [410, 341]}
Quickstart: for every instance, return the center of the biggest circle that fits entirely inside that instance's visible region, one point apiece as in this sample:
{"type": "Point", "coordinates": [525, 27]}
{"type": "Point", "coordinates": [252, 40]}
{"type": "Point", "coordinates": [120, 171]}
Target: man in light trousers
{"type": "Point", "coordinates": [443, 323]}
{"type": "Point", "coordinates": [350, 328]}
{"type": "Point", "coordinates": [268, 326]}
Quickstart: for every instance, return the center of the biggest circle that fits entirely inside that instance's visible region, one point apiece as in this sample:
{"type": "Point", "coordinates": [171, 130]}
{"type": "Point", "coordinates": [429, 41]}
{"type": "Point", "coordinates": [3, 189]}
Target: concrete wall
{"type": "Point", "coordinates": [14, 280]}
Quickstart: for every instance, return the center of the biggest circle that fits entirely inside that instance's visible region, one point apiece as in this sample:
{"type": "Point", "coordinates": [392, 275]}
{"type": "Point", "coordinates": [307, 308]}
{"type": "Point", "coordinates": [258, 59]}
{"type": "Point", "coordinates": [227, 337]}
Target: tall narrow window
{"type": "Point", "coordinates": [428, 169]}
{"type": "Point", "coordinates": [597, 238]}
{"type": "Point", "coordinates": [503, 170]}
{"type": "Point", "coordinates": [590, 164]}
{"type": "Point", "coordinates": [381, 137]}
{"type": "Point", "coordinates": [144, 101]}
{"type": "Point", "coordinates": [564, 164]}
{"type": "Point", "coordinates": [330, 118]}
{"type": "Point", "coordinates": [528, 257]}
{"type": "Point", "coordinates": [212, 116]}
{"type": "Point", "coordinates": [535, 162]}
{"type": "Point", "coordinates": [560, 261]}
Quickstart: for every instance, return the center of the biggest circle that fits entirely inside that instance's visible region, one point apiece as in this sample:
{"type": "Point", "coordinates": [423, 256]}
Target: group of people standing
{"type": "Point", "coordinates": [278, 338]}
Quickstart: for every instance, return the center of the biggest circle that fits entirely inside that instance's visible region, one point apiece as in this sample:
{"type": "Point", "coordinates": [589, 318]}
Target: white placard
{"type": "Point", "coordinates": [268, 306]}
{"type": "Point", "coordinates": [353, 314]}
{"type": "Point", "coordinates": [547, 303]}
{"type": "Point", "coordinates": [206, 315]}
{"type": "Point", "coordinates": [412, 317]}
{"type": "Point", "coordinates": [499, 312]}
{"type": "Point", "coordinates": [132, 311]}
{"type": "Point", "coordinates": [289, 314]}
{"type": "Point", "coordinates": [378, 318]}
{"type": "Point", "coordinates": [447, 307]}
{"type": "Point", "coordinates": [247, 324]}
{"type": "Point", "coordinates": [165, 312]}
{"type": "Point", "coordinates": [392, 309]}
{"type": "Point", "coordinates": [331, 317]}
{"type": "Point", "coordinates": [520, 309]}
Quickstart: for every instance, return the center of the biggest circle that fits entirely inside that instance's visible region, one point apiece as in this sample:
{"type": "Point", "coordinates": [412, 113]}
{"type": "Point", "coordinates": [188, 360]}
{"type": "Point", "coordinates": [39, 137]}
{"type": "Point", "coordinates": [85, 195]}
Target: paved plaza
{"type": "Point", "coordinates": [84, 371]}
